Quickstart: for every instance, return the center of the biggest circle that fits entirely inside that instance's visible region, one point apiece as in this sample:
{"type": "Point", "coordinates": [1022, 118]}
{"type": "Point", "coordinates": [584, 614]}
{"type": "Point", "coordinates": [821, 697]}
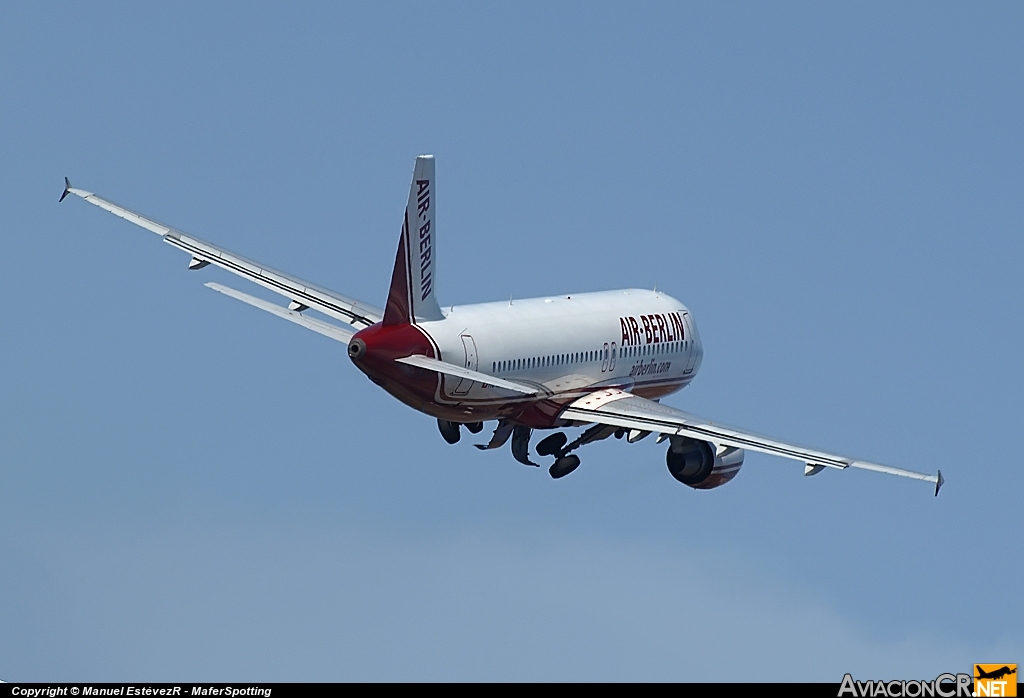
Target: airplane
{"type": "Point", "coordinates": [996, 674]}
{"type": "Point", "coordinates": [600, 360]}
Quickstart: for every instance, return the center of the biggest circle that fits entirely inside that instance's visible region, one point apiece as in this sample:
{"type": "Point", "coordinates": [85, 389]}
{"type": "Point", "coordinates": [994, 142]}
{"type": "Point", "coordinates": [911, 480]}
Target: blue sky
{"type": "Point", "coordinates": [193, 490]}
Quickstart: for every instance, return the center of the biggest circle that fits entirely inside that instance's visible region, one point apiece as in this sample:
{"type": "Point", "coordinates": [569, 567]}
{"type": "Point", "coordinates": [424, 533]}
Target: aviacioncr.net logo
{"type": "Point", "coordinates": [942, 686]}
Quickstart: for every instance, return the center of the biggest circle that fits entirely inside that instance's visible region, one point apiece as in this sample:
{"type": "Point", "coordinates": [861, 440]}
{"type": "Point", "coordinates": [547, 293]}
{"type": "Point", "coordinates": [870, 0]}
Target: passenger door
{"type": "Point", "coordinates": [471, 363]}
{"type": "Point", "coordinates": [689, 345]}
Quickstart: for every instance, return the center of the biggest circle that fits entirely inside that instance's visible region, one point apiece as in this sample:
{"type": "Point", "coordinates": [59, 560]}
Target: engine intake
{"type": "Point", "coordinates": [697, 464]}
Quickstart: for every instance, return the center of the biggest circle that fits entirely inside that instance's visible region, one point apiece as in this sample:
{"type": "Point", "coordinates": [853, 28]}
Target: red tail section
{"type": "Point", "coordinates": [397, 311]}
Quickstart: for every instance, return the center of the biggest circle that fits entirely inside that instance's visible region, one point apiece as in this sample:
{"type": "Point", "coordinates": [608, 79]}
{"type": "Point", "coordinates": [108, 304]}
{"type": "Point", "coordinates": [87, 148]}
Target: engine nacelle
{"type": "Point", "coordinates": [697, 463]}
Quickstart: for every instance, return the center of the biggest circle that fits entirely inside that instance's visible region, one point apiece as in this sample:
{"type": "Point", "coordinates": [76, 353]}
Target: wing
{"type": "Point", "coordinates": [302, 293]}
{"type": "Point", "coordinates": [621, 409]}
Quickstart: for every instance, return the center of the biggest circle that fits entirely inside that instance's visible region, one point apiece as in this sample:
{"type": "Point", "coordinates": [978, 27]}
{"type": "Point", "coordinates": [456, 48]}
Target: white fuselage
{"type": "Point", "coordinates": [642, 341]}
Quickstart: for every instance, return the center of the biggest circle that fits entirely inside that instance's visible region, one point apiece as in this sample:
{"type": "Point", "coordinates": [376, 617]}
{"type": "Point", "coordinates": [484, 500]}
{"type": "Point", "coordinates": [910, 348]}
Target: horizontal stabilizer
{"type": "Point", "coordinates": [325, 328]}
{"type": "Point", "coordinates": [430, 364]}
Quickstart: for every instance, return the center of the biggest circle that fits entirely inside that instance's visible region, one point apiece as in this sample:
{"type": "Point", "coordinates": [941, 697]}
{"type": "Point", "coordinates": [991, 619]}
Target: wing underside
{"type": "Point", "coordinates": [621, 409]}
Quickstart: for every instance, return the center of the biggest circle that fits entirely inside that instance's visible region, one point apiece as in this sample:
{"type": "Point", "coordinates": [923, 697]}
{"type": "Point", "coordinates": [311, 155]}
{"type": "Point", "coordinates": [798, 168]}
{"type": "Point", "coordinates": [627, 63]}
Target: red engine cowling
{"type": "Point", "coordinates": [699, 465]}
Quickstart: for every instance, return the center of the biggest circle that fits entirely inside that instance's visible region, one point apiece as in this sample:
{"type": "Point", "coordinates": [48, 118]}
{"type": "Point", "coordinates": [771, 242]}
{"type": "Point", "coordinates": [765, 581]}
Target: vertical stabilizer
{"type": "Point", "coordinates": [412, 298]}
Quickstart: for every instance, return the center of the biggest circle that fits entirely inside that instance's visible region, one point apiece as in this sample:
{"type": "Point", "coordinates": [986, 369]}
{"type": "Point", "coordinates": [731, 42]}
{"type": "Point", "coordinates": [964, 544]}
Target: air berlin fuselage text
{"type": "Point", "coordinates": [652, 329]}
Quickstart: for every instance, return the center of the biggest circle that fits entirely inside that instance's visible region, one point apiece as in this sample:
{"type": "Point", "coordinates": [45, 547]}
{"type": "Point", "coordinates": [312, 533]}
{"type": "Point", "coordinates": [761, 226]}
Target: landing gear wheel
{"type": "Point", "coordinates": [449, 431]}
{"type": "Point", "coordinates": [551, 445]}
{"type": "Point", "coordinates": [475, 427]}
{"type": "Point", "coordinates": [563, 466]}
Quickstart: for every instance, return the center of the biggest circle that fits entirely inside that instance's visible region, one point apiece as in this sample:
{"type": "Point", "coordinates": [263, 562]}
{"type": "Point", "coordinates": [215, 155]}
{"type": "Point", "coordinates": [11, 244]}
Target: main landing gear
{"type": "Point", "coordinates": [563, 466]}
{"type": "Point", "coordinates": [555, 445]}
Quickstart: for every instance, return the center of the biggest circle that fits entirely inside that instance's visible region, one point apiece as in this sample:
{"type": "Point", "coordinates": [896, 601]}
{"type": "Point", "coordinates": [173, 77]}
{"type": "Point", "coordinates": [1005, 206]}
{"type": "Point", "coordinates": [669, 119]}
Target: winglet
{"type": "Point", "coordinates": [67, 189]}
{"type": "Point", "coordinates": [938, 483]}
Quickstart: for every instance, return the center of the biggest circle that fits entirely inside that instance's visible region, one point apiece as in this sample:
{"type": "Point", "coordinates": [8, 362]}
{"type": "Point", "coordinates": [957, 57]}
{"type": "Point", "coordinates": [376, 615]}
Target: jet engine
{"type": "Point", "coordinates": [700, 465]}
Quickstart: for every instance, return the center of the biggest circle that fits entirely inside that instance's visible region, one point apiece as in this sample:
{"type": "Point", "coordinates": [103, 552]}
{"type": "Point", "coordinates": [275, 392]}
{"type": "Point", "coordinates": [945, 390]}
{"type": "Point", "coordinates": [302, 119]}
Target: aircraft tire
{"type": "Point", "coordinates": [450, 431]}
{"type": "Point", "coordinates": [550, 445]}
{"type": "Point", "coordinates": [563, 466]}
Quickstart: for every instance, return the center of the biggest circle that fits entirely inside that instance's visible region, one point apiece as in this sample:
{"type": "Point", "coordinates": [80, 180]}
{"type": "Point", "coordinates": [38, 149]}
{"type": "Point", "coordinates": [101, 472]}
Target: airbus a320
{"type": "Point", "coordinates": [601, 361]}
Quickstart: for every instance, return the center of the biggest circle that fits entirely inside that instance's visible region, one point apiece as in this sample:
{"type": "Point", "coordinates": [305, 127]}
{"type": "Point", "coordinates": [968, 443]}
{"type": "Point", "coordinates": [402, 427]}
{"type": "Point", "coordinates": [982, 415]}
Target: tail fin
{"type": "Point", "coordinates": [411, 298]}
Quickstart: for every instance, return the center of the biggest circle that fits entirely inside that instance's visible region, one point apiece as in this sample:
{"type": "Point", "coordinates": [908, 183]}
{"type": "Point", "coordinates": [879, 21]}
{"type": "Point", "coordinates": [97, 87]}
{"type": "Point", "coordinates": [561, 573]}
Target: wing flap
{"type": "Point", "coordinates": [621, 409]}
